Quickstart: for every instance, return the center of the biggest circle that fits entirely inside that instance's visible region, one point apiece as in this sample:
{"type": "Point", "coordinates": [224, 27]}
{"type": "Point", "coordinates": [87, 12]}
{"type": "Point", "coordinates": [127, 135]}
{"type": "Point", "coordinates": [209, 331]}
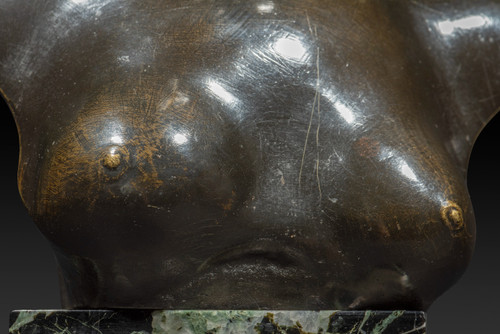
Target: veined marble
{"type": "Point", "coordinates": [215, 322]}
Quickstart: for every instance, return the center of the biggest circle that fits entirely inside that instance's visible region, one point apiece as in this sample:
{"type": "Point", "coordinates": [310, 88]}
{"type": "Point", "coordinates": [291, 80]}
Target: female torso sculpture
{"type": "Point", "coordinates": [230, 155]}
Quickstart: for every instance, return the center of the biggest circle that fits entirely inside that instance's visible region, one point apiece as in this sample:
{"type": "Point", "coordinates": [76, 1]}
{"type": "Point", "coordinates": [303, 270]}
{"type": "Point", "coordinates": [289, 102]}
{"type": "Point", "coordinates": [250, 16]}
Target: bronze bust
{"type": "Point", "coordinates": [243, 155]}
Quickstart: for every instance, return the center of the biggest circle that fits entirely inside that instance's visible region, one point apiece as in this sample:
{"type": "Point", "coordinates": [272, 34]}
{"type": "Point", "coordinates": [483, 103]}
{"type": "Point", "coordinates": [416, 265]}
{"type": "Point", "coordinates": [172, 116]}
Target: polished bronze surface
{"type": "Point", "coordinates": [251, 154]}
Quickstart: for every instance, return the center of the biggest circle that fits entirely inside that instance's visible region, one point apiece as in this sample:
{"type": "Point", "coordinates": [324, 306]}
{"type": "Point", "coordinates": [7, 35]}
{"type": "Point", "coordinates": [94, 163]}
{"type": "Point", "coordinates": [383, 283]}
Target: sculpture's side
{"type": "Point", "coordinates": [298, 155]}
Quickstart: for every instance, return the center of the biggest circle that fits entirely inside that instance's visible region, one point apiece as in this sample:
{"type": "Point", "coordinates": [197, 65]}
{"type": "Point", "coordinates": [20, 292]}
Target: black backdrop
{"type": "Point", "coordinates": [28, 278]}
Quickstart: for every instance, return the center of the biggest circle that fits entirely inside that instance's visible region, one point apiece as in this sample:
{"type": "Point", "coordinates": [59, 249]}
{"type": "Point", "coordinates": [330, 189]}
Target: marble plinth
{"type": "Point", "coordinates": [215, 322]}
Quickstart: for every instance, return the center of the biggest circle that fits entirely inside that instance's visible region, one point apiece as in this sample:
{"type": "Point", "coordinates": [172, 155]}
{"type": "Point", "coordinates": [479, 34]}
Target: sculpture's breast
{"type": "Point", "coordinates": [117, 171]}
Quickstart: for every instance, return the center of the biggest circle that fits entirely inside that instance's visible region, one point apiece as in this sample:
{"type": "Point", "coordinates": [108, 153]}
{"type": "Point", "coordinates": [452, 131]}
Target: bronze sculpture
{"type": "Point", "coordinates": [296, 142]}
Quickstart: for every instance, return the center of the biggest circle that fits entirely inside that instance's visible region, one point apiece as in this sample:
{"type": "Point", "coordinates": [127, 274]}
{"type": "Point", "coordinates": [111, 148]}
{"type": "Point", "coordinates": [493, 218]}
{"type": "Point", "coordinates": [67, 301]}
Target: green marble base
{"type": "Point", "coordinates": [215, 322]}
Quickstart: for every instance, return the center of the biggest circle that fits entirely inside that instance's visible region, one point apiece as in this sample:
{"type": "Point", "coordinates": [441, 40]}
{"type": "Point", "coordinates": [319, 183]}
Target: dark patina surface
{"type": "Point", "coordinates": [251, 154]}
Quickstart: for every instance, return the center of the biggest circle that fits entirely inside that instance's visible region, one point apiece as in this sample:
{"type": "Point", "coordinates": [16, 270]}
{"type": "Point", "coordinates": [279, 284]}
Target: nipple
{"type": "Point", "coordinates": [452, 216]}
{"type": "Point", "coordinates": [112, 159]}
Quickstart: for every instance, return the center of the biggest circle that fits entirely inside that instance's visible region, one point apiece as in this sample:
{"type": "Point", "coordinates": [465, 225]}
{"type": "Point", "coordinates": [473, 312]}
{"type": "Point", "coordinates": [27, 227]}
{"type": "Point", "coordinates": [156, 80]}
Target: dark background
{"type": "Point", "coordinates": [28, 278]}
